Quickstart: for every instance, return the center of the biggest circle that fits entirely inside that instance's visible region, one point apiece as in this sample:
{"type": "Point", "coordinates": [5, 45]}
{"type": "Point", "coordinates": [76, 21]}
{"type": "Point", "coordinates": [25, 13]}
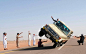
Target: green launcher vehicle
{"type": "Point", "coordinates": [58, 32]}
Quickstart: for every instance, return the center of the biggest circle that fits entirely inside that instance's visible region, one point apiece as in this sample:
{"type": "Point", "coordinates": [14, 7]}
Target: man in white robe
{"type": "Point", "coordinates": [34, 39]}
{"type": "Point", "coordinates": [5, 41]}
{"type": "Point", "coordinates": [29, 38]}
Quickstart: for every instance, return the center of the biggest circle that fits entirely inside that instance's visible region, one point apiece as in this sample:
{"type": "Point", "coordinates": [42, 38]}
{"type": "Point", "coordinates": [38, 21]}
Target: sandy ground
{"type": "Point", "coordinates": [22, 43]}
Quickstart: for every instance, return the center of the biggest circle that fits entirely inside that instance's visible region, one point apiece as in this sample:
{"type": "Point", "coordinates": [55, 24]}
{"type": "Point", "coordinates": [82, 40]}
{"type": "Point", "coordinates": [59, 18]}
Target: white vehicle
{"type": "Point", "coordinates": [57, 32]}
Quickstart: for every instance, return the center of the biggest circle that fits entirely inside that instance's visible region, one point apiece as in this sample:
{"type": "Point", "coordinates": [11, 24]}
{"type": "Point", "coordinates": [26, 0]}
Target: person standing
{"type": "Point", "coordinates": [5, 41]}
{"type": "Point", "coordinates": [29, 38]}
{"type": "Point", "coordinates": [17, 39]}
{"type": "Point", "coordinates": [34, 39]}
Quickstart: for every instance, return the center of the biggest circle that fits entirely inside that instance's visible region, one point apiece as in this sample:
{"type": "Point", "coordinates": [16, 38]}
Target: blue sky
{"type": "Point", "coordinates": [30, 15]}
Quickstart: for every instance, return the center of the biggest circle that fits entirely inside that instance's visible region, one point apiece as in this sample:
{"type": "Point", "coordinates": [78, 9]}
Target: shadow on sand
{"type": "Point", "coordinates": [36, 48]}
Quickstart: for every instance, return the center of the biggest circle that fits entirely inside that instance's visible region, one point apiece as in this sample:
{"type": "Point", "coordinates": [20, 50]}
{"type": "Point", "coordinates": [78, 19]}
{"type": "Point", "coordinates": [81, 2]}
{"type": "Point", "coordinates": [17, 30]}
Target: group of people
{"type": "Point", "coordinates": [30, 38]}
{"type": "Point", "coordinates": [17, 40]}
{"type": "Point", "coordinates": [5, 40]}
{"type": "Point", "coordinates": [34, 39]}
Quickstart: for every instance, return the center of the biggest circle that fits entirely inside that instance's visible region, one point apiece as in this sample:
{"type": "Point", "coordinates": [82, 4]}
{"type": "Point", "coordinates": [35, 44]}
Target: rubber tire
{"type": "Point", "coordinates": [61, 44]}
{"type": "Point", "coordinates": [58, 44]}
{"type": "Point", "coordinates": [41, 33]}
{"type": "Point", "coordinates": [55, 45]}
